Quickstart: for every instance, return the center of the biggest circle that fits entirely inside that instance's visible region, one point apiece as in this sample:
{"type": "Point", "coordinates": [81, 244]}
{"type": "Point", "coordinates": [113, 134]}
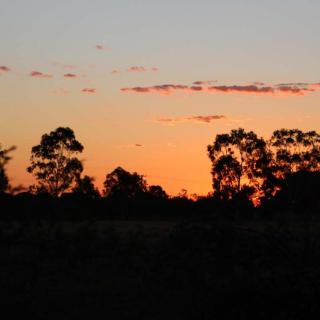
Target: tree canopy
{"type": "Point", "coordinates": [239, 160]}
{"type": "Point", "coordinates": [295, 150]}
{"type": "Point", "coordinates": [85, 187]}
{"type": "Point", "coordinates": [123, 184]}
{"type": "Point", "coordinates": [54, 163]}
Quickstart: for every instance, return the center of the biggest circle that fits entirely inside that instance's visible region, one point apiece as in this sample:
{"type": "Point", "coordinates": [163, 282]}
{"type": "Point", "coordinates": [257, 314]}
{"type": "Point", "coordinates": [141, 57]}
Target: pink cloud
{"type": "Point", "coordinates": [242, 89]}
{"type": "Point", "coordinates": [315, 86]}
{"type": "Point", "coordinates": [294, 90]}
{"type": "Point", "coordinates": [137, 69]}
{"type": "Point", "coordinates": [37, 74]}
{"type": "Point", "coordinates": [100, 47]}
{"type": "Point", "coordinates": [197, 119]}
{"type": "Point", "coordinates": [115, 71]}
{"type": "Point", "coordinates": [129, 146]}
{"type": "Point", "coordinates": [204, 83]}
{"type": "Point", "coordinates": [89, 90]}
{"type": "Point", "coordinates": [162, 89]}
{"type": "Point", "coordinates": [4, 69]}
{"type": "Point", "coordinates": [70, 75]}
{"type": "Point", "coordinates": [206, 119]}
{"type": "Point", "coordinates": [142, 69]}
{"type": "Point", "coordinates": [256, 89]}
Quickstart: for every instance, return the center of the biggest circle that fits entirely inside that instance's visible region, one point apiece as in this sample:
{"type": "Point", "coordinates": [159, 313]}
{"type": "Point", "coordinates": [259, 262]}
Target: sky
{"type": "Point", "coordinates": [147, 85]}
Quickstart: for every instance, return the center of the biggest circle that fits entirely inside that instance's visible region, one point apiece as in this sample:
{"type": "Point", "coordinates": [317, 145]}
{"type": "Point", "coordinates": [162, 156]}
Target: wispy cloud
{"type": "Point", "coordinates": [4, 69]}
{"type": "Point", "coordinates": [163, 89]}
{"type": "Point", "coordinates": [101, 47]}
{"type": "Point", "coordinates": [38, 74]}
{"type": "Point", "coordinates": [142, 69]}
{"type": "Point", "coordinates": [137, 69]}
{"type": "Point", "coordinates": [89, 90]}
{"type": "Point", "coordinates": [115, 71]}
{"type": "Point", "coordinates": [204, 83]}
{"type": "Point", "coordinates": [242, 89]}
{"type": "Point", "coordinates": [258, 88]}
{"type": "Point", "coordinates": [70, 75]}
{"type": "Point", "coordinates": [315, 86]}
{"type": "Point", "coordinates": [129, 146]}
{"type": "Point", "coordinates": [193, 118]}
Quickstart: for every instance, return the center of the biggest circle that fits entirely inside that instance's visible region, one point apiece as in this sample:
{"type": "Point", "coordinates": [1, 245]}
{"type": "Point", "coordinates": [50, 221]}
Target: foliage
{"type": "Point", "coordinates": [4, 159]}
{"type": "Point", "coordinates": [123, 184]}
{"type": "Point", "coordinates": [53, 161]}
{"type": "Point", "coordinates": [85, 188]}
{"type": "Point", "coordinates": [295, 150]}
{"type": "Point", "coordinates": [157, 192]}
{"type": "Point", "coordinates": [239, 159]}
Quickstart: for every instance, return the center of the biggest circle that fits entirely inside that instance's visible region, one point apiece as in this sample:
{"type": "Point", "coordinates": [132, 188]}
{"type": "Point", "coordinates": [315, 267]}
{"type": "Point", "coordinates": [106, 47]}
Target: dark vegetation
{"type": "Point", "coordinates": [249, 250]}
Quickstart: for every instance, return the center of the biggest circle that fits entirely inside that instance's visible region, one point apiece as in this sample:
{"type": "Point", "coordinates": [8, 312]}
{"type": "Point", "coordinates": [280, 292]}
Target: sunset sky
{"type": "Point", "coordinates": [147, 85]}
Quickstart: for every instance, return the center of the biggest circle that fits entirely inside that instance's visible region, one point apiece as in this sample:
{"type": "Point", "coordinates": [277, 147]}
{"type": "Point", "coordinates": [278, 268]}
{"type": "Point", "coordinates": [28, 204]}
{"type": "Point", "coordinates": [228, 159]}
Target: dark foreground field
{"type": "Point", "coordinates": [160, 270]}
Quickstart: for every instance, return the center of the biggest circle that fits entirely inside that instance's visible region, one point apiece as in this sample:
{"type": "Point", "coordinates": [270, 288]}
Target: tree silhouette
{"type": "Point", "coordinates": [226, 177]}
{"type": "Point", "coordinates": [239, 160]}
{"type": "Point", "coordinates": [123, 184]}
{"type": "Point", "coordinates": [296, 165]}
{"type": "Point", "coordinates": [157, 192]}
{"type": "Point", "coordinates": [295, 151]}
{"type": "Point", "coordinates": [53, 161]}
{"type": "Point", "coordinates": [85, 188]}
{"type": "Point", "coordinates": [4, 159]}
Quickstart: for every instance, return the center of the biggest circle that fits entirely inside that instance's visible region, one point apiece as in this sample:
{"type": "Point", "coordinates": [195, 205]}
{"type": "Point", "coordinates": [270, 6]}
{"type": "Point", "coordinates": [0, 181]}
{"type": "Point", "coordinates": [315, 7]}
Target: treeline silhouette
{"type": "Point", "coordinates": [249, 174]}
{"type": "Point", "coordinates": [248, 250]}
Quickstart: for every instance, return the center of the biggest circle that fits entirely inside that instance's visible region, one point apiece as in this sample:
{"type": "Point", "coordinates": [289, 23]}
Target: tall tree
{"type": "Point", "coordinates": [296, 164]}
{"type": "Point", "coordinates": [123, 184]}
{"type": "Point", "coordinates": [54, 163]}
{"type": "Point", "coordinates": [4, 159]}
{"type": "Point", "coordinates": [239, 160]}
{"type": "Point", "coordinates": [295, 151]}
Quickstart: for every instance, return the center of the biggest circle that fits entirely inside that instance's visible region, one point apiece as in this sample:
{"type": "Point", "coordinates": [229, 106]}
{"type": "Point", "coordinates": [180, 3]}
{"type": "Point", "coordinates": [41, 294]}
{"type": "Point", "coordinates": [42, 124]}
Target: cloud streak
{"type": "Point", "coordinates": [193, 119]}
{"type": "Point", "coordinates": [290, 89]}
{"type": "Point", "coordinates": [140, 69]}
{"type": "Point", "coordinates": [204, 83]}
{"type": "Point", "coordinates": [129, 146]}
{"type": "Point", "coordinates": [137, 69]}
{"type": "Point", "coordinates": [70, 75]}
{"type": "Point", "coordinates": [89, 90]}
{"type": "Point", "coordinates": [162, 89]}
{"type": "Point", "coordinates": [101, 47]}
{"type": "Point", "coordinates": [115, 71]}
{"type": "Point", "coordinates": [38, 74]}
{"type": "Point", "coordinates": [4, 69]}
